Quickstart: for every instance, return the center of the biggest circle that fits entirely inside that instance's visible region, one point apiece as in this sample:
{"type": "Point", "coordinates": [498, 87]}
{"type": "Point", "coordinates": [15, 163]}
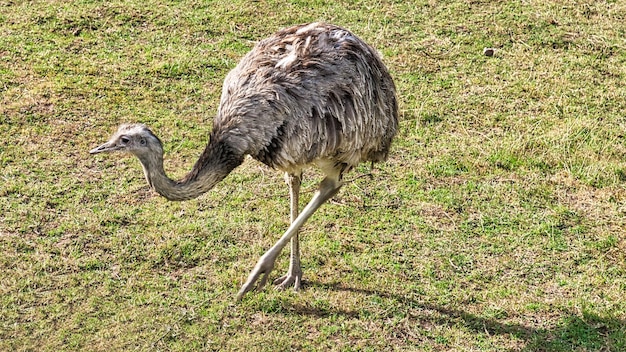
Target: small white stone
{"type": "Point", "coordinates": [489, 51]}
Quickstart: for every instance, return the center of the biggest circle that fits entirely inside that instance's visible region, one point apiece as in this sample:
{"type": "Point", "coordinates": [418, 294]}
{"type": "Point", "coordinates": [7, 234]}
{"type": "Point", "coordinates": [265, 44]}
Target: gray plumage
{"type": "Point", "coordinates": [312, 94]}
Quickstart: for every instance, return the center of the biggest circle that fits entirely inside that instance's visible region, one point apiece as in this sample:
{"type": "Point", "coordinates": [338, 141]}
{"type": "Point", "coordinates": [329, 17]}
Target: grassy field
{"type": "Point", "coordinates": [498, 223]}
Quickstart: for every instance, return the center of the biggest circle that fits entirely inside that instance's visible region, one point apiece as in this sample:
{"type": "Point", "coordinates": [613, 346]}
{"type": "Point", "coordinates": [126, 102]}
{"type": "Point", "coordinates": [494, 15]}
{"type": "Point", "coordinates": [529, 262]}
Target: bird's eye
{"type": "Point", "coordinates": [125, 140]}
{"type": "Point", "coordinates": [142, 141]}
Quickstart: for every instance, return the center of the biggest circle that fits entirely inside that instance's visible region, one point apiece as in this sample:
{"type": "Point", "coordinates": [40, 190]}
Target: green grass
{"type": "Point", "coordinates": [498, 223]}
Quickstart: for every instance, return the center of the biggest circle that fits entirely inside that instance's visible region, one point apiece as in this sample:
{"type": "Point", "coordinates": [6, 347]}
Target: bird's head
{"type": "Point", "coordinates": [132, 138]}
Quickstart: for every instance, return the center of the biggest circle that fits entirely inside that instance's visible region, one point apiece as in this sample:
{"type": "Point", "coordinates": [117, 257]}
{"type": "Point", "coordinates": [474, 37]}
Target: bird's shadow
{"type": "Point", "coordinates": [589, 332]}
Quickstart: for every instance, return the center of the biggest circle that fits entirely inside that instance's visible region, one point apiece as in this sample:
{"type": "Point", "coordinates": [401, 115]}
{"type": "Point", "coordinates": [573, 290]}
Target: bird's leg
{"type": "Point", "coordinates": [328, 188]}
{"type": "Point", "coordinates": [294, 274]}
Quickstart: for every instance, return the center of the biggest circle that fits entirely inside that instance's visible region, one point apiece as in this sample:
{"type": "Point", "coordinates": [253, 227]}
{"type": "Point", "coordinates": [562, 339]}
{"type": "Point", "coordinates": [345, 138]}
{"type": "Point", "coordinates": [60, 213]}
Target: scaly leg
{"type": "Point", "coordinates": [294, 274]}
{"type": "Point", "coordinates": [328, 188]}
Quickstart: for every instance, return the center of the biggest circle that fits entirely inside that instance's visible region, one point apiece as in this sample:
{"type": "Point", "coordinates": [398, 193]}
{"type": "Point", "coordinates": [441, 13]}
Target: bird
{"type": "Point", "coordinates": [310, 95]}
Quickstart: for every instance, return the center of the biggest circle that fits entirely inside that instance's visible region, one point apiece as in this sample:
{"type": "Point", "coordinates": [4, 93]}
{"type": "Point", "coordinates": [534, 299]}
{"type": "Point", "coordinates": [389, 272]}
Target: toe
{"type": "Point", "coordinates": [297, 283]}
{"type": "Point", "coordinates": [280, 280]}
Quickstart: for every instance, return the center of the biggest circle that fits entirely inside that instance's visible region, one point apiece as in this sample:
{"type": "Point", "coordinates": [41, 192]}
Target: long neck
{"type": "Point", "coordinates": [215, 163]}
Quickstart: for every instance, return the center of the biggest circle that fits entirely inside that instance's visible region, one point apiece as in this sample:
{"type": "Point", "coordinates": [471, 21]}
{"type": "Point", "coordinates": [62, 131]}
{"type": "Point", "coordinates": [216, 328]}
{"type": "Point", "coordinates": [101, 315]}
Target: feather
{"type": "Point", "coordinates": [311, 92]}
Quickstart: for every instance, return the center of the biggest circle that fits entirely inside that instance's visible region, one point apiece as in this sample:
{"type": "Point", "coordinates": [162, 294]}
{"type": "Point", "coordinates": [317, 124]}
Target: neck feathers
{"type": "Point", "coordinates": [215, 163]}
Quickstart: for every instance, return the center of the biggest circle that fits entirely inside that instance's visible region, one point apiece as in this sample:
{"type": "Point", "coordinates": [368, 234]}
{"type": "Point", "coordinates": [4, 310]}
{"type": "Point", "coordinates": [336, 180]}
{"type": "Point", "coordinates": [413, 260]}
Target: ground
{"type": "Point", "coordinates": [497, 224]}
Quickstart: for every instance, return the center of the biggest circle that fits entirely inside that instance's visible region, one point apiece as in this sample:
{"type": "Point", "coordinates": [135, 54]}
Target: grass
{"type": "Point", "coordinates": [497, 224]}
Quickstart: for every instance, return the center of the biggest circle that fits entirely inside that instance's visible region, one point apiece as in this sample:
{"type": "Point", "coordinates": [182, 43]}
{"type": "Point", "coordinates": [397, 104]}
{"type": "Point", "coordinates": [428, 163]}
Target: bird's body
{"type": "Point", "coordinates": [308, 93]}
{"type": "Point", "coordinates": [312, 94]}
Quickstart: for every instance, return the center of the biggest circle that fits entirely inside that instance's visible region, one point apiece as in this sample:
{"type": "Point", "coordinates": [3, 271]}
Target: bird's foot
{"type": "Point", "coordinates": [293, 277]}
{"type": "Point", "coordinates": [262, 269]}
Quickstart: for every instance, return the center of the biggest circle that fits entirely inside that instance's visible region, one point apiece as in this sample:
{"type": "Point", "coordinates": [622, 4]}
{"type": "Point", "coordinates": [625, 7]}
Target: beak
{"type": "Point", "coordinates": [106, 147]}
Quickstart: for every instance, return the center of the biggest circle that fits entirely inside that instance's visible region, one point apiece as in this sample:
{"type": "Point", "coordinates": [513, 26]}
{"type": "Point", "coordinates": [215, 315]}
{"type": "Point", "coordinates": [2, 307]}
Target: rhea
{"type": "Point", "coordinates": [311, 94]}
